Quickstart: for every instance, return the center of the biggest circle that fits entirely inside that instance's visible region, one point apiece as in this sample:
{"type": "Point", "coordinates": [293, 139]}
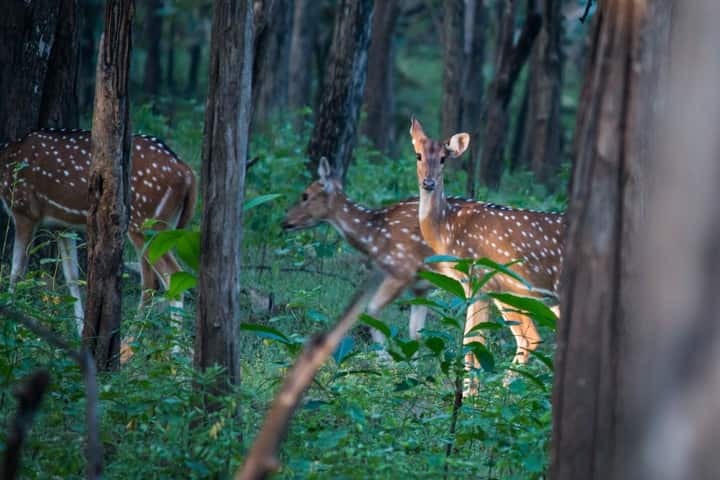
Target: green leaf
{"type": "Point", "coordinates": [451, 322]}
{"type": "Point", "coordinates": [250, 204]}
{"type": "Point", "coordinates": [376, 324]}
{"type": "Point", "coordinates": [533, 307]}
{"type": "Point", "coordinates": [406, 384]}
{"type": "Point", "coordinates": [481, 352]}
{"type": "Point", "coordinates": [317, 316]}
{"type": "Point", "coordinates": [408, 348]}
{"type": "Point", "coordinates": [441, 258]}
{"type": "Point", "coordinates": [424, 302]}
{"type": "Point", "coordinates": [534, 379]}
{"type": "Point", "coordinates": [343, 350]}
{"type": "Point", "coordinates": [162, 243]}
{"type": "Point", "coordinates": [485, 326]}
{"type": "Point", "coordinates": [445, 283]}
{"type": "Point", "coordinates": [188, 248]}
{"type": "Point", "coordinates": [264, 331]}
{"type": "Point", "coordinates": [499, 267]}
{"type": "Point", "coordinates": [547, 361]}
{"type": "Point", "coordinates": [435, 345]}
{"type": "Point", "coordinates": [179, 283]}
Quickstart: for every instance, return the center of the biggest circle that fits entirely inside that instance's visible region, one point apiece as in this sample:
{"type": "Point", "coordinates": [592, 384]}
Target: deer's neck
{"type": "Point", "coordinates": [432, 215]}
{"type": "Point", "coordinates": [354, 222]}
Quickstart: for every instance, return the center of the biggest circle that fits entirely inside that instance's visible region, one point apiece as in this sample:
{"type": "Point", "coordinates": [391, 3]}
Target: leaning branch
{"type": "Point", "coordinates": [262, 459]}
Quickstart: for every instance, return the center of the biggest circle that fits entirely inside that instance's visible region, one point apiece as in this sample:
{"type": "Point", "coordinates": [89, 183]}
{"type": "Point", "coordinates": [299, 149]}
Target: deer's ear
{"type": "Point", "coordinates": [324, 170]}
{"type": "Point", "coordinates": [416, 130]}
{"type": "Point", "coordinates": [457, 144]}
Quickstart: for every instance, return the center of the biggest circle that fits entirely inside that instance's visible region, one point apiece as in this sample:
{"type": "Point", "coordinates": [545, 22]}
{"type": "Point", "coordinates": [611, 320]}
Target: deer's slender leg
{"type": "Point", "coordinates": [164, 268]}
{"type": "Point", "coordinates": [68, 254]}
{"type": "Point", "coordinates": [388, 291]}
{"type": "Point", "coordinates": [418, 314]}
{"type": "Point", "coordinates": [24, 229]}
{"type": "Point", "coordinates": [148, 279]}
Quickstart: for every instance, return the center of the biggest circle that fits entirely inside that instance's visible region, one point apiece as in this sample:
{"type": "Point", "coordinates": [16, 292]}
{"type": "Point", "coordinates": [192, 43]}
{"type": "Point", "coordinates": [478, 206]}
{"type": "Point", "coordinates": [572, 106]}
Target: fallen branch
{"type": "Point", "coordinates": [86, 363]}
{"type": "Point", "coordinates": [29, 398]}
{"type": "Point", "coordinates": [262, 459]}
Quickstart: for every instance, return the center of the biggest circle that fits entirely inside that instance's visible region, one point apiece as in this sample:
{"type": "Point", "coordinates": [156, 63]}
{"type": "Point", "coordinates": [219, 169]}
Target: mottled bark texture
{"type": "Point", "coordinates": [613, 155]}
{"type": "Point", "coordinates": [227, 120]}
{"type": "Point", "coordinates": [509, 60]}
{"type": "Point", "coordinates": [335, 132]}
{"type": "Point", "coordinates": [379, 92]}
{"type": "Point", "coordinates": [305, 18]}
{"type": "Point", "coordinates": [153, 35]}
{"type": "Point", "coordinates": [453, 66]}
{"type": "Point", "coordinates": [542, 145]}
{"type": "Point", "coordinates": [271, 63]}
{"type": "Point", "coordinates": [109, 186]}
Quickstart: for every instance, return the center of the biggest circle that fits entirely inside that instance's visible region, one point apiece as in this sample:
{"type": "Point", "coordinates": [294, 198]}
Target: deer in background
{"type": "Point", "coordinates": [44, 181]}
{"type": "Point", "coordinates": [476, 229]}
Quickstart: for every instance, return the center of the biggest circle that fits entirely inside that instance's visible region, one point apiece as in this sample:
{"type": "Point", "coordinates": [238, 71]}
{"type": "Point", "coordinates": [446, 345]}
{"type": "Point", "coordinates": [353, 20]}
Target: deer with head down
{"type": "Point", "coordinates": [44, 181]}
{"type": "Point", "coordinates": [477, 229]}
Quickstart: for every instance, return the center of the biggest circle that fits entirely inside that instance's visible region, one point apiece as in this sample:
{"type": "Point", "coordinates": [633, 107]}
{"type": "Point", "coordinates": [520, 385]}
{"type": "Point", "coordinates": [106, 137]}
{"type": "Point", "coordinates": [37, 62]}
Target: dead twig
{"type": "Point", "coordinates": [262, 459]}
{"type": "Point", "coordinates": [86, 363]}
{"type": "Point", "coordinates": [29, 398]}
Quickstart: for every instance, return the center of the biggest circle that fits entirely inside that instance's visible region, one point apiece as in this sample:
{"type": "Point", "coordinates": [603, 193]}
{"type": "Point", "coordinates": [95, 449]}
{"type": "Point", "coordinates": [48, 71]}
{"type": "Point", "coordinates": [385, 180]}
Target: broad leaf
{"type": "Point", "coordinates": [499, 267]}
{"type": "Point", "coordinates": [179, 283]}
{"type": "Point", "coordinates": [343, 350]}
{"type": "Point", "coordinates": [250, 204]}
{"type": "Point", "coordinates": [188, 248]}
{"type": "Point", "coordinates": [481, 352]}
{"type": "Point", "coordinates": [441, 258]}
{"type": "Point", "coordinates": [264, 331]}
{"type": "Point", "coordinates": [376, 324]}
{"type": "Point", "coordinates": [534, 308]}
{"type": "Point", "coordinates": [161, 243]}
{"type": "Point", "coordinates": [443, 282]}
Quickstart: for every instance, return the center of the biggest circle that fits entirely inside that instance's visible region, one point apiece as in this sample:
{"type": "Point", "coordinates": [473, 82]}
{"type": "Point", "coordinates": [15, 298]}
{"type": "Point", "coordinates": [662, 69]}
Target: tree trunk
{"type": "Point", "coordinates": [613, 150]}
{"type": "Point", "coordinates": [153, 35]}
{"type": "Point", "coordinates": [227, 121]}
{"type": "Point", "coordinates": [59, 105]}
{"type": "Point", "coordinates": [674, 379]}
{"type": "Point", "coordinates": [379, 95]}
{"type": "Point", "coordinates": [474, 83]}
{"type": "Point", "coordinates": [335, 131]}
{"type": "Point", "coordinates": [197, 40]}
{"type": "Point", "coordinates": [509, 60]}
{"type": "Point", "coordinates": [453, 67]}
{"type": "Point", "coordinates": [27, 34]}
{"type": "Point", "coordinates": [89, 14]}
{"type": "Point", "coordinates": [271, 63]}
{"type": "Point", "coordinates": [109, 184]}
{"type": "Point", "coordinates": [542, 149]}
{"type": "Point", "coordinates": [170, 65]}
{"type": "Point", "coordinates": [304, 29]}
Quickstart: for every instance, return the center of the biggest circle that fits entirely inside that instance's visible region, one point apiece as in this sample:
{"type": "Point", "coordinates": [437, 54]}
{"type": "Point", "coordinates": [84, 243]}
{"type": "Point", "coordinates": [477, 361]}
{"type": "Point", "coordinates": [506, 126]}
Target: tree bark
{"type": "Point", "coordinates": [59, 105]}
{"type": "Point", "coordinates": [509, 60]}
{"type": "Point", "coordinates": [451, 113]}
{"type": "Point", "coordinates": [613, 150]}
{"type": "Point", "coordinates": [153, 35]}
{"type": "Point", "coordinates": [335, 131]}
{"type": "Point", "coordinates": [542, 146]}
{"type": "Point", "coordinates": [108, 188]}
{"type": "Point", "coordinates": [27, 34]}
{"type": "Point", "coordinates": [89, 13]}
{"type": "Point", "coordinates": [304, 30]}
{"type": "Point", "coordinates": [271, 63]}
{"type": "Point", "coordinates": [474, 82]}
{"type": "Point", "coordinates": [379, 94]}
{"type": "Point", "coordinates": [197, 40]}
{"type": "Point", "coordinates": [170, 65]}
{"type": "Point", "coordinates": [227, 120]}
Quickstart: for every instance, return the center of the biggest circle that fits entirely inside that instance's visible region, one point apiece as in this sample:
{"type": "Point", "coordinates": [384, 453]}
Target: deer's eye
{"type": "Point", "coordinates": [304, 197]}
{"type": "Point", "coordinates": [442, 159]}
{"type": "Point", "coordinates": [418, 156]}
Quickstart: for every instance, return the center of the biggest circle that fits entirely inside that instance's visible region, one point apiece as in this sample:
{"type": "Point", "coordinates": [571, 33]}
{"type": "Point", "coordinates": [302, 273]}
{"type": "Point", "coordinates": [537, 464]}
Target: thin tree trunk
{"type": "Point", "coordinates": [153, 35]}
{"type": "Point", "coordinates": [304, 30]}
{"type": "Point", "coordinates": [451, 114]}
{"type": "Point", "coordinates": [170, 65]}
{"type": "Point", "coordinates": [335, 131]}
{"type": "Point", "coordinates": [89, 13]}
{"type": "Point", "coordinates": [542, 149]}
{"type": "Point", "coordinates": [109, 184]}
{"type": "Point", "coordinates": [510, 59]}
{"type": "Point", "coordinates": [379, 95]}
{"type": "Point", "coordinates": [613, 153]}
{"type": "Point", "coordinates": [227, 120]}
{"type": "Point", "coordinates": [197, 36]}
{"type": "Point", "coordinates": [474, 83]}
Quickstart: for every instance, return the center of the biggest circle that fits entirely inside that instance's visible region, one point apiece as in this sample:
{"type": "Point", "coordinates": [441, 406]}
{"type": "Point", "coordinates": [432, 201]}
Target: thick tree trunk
{"type": "Point", "coordinates": [379, 94]}
{"type": "Point", "coordinates": [674, 379]}
{"type": "Point", "coordinates": [109, 184]}
{"type": "Point", "coordinates": [271, 63]}
{"type": "Point", "coordinates": [542, 149]}
{"type": "Point", "coordinates": [27, 34]}
{"type": "Point", "coordinates": [451, 113]}
{"type": "Point", "coordinates": [474, 83]}
{"type": "Point", "coordinates": [509, 60]}
{"type": "Point", "coordinates": [305, 18]}
{"type": "Point", "coordinates": [335, 131]}
{"type": "Point", "coordinates": [153, 35]}
{"type": "Point", "coordinates": [227, 121]}
{"type": "Point", "coordinates": [59, 105]}
{"type": "Point", "coordinates": [608, 193]}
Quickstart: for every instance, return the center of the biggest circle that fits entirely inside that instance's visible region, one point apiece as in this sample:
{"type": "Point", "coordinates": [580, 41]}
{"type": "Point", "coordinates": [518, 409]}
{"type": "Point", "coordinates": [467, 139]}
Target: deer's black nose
{"type": "Point", "coordinates": [428, 184]}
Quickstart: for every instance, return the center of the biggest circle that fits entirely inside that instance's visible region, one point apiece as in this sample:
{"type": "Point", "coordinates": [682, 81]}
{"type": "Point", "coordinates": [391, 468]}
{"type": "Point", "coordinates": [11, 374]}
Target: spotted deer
{"type": "Point", "coordinates": [476, 229]}
{"type": "Point", "coordinates": [389, 236]}
{"type": "Point", "coordinates": [44, 181]}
